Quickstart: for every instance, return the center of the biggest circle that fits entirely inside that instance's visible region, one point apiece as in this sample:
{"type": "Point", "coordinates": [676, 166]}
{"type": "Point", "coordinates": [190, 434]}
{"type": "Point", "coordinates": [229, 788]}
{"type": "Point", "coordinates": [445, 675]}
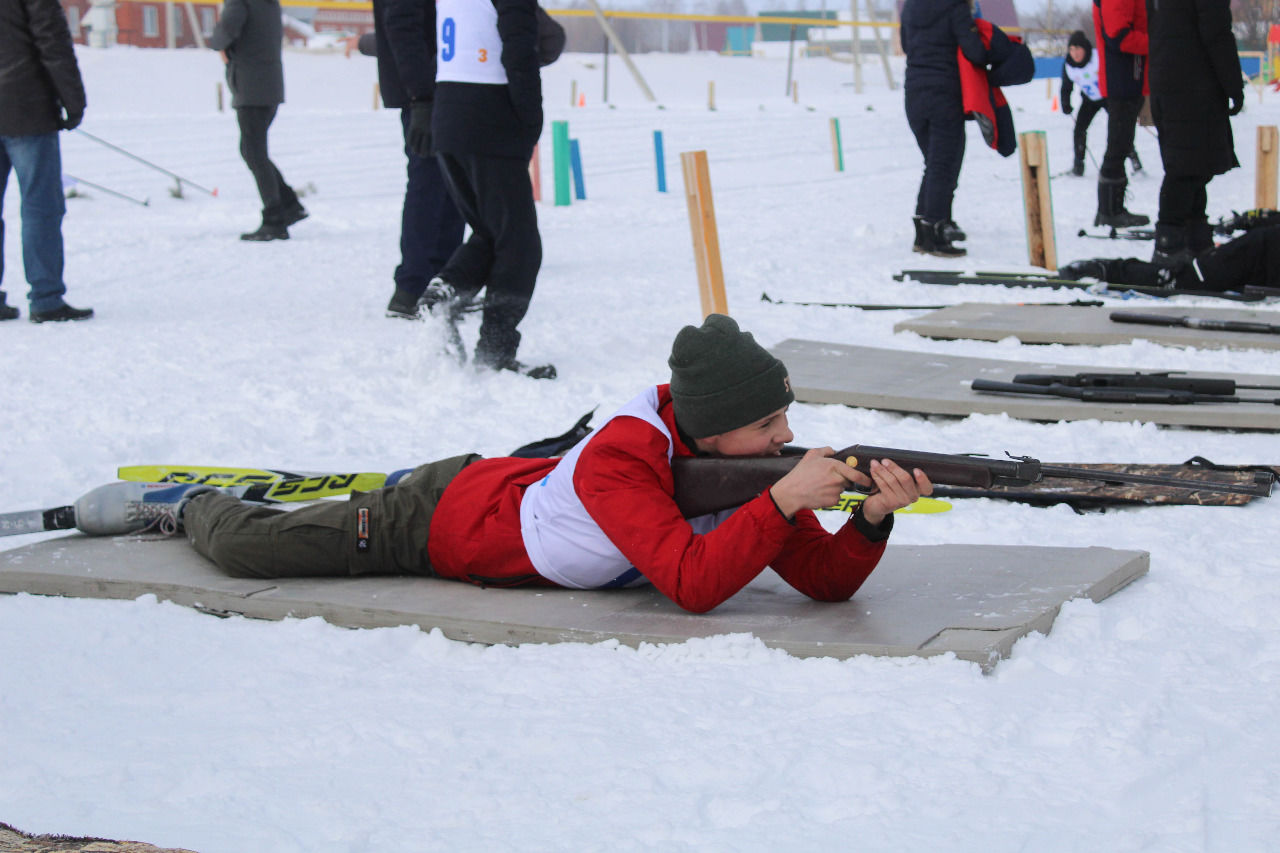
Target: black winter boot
{"type": "Point", "coordinates": [1111, 205]}
{"type": "Point", "coordinates": [1171, 251]}
{"type": "Point", "coordinates": [1077, 168]}
{"type": "Point", "coordinates": [1088, 268]}
{"type": "Point", "coordinates": [924, 241]}
{"type": "Point", "coordinates": [7, 312]}
{"type": "Point", "coordinates": [939, 246]}
{"type": "Point", "coordinates": [267, 231]}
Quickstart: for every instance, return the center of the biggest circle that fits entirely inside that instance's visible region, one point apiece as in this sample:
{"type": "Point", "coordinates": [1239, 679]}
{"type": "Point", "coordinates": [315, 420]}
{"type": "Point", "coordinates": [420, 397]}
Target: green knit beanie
{"type": "Point", "coordinates": [721, 379]}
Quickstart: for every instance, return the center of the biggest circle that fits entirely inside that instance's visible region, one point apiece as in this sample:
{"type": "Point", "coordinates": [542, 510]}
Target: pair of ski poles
{"type": "Point", "coordinates": [178, 179]}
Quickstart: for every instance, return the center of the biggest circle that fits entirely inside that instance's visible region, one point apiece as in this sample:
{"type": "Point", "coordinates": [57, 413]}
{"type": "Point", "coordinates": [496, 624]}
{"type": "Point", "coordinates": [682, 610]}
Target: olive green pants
{"type": "Point", "coordinates": [379, 532]}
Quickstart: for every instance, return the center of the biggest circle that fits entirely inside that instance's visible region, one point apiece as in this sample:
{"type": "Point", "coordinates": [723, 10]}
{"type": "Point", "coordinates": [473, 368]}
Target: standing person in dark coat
{"type": "Point", "coordinates": [486, 118]}
{"type": "Point", "coordinates": [250, 36]}
{"type": "Point", "coordinates": [40, 93]}
{"type": "Point", "coordinates": [430, 224]}
{"type": "Point", "coordinates": [1196, 85]}
{"type": "Point", "coordinates": [1120, 27]}
{"type": "Point", "coordinates": [931, 32]}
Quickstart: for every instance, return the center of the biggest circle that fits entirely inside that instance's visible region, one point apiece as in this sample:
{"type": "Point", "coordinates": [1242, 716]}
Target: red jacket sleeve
{"type": "Point", "coordinates": [624, 480]}
{"type": "Point", "coordinates": [1122, 19]}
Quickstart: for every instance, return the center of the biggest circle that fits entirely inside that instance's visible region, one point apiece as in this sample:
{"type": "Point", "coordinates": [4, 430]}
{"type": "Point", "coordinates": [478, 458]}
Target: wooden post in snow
{"type": "Point", "coordinates": [1037, 200]}
{"type": "Point", "coordinates": [1265, 179]}
{"type": "Point", "coordinates": [706, 242]}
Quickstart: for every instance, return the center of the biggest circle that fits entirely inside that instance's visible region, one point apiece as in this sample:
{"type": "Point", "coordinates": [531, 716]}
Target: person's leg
{"type": "Point", "coordinates": [918, 121]}
{"type": "Point", "coordinates": [1084, 117]}
{"type": "Point", "coordinates": [1122, 120]}
{"type": "Point", "coordinates": [505, 205]}
{"type": "Point", "coordinates": [37, 164]}
{"type": "Point", "coordinates": [942, 166]}
{"type": "Point", "coordinates": [380, 532]}
{"type": "Point", "coordinates": [430, 224]}
{"type": "Point", "coordinates": [254, 123]}
{"type": "Point", "coordinates": [1182, 210]}
{"type": "Point", "coordinates": [469, 267]}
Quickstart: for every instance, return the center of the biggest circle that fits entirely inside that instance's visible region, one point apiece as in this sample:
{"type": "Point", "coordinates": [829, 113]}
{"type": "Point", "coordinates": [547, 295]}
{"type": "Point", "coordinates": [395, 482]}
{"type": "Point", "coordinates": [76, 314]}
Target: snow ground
{"type": "Point", "coordinates": [1142, 723]}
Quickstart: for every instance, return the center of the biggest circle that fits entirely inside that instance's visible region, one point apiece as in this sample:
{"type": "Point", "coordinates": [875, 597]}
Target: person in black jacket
{"type": "Point", "coordinates": [1196, 85]}
{"type": "Point", "coordinates": [931, 31]}
{"type": "Point", "coordinates": [250, 36]}
{"type": "Point", "coordinates": [430, 224]}
{"type": "Point", "coordinates": [40, 93]}
{"type": "Point", "coordinates": [486, 117]}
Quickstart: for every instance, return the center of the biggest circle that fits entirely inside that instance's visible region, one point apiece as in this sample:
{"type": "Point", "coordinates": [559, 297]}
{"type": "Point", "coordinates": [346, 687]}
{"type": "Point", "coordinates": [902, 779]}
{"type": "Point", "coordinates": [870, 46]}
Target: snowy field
{"type": "Point", "coordinates": [1145, 722]}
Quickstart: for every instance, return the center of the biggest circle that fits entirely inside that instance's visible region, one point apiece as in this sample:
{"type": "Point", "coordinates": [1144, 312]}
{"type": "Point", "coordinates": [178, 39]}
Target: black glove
{"type": "Point", "coordinates": [74, 117]}
{"type": "Point", "coordinates": [419, 137]}
{"type": "Point", "coordinates": [1066, 108]}
{"type": "Point", "coordinates": [1236, 103]}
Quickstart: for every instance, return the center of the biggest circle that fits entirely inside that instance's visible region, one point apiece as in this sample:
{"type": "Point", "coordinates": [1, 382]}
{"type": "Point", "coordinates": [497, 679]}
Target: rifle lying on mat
{"type": "Point", "coordinates": [706, 484]}
{"type": "Point", "coordinates": [1046, 386]}
{"type": "Point", "coordinates": [1168, 380]}
{"type": "Point", "coordinates": [1196, 323]}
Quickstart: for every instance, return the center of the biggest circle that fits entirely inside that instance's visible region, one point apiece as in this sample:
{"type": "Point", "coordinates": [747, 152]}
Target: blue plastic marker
{"type": "Point", "coordinates": [575, 160]}
{"type": "Point", "coordinates": [661, 161]}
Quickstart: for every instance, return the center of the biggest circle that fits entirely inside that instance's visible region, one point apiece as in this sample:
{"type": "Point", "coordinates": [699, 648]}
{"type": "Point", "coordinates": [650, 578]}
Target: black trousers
{"type": "Point", "coordinates": [277, 196]}
{"type": "Point", "coordinates": [1084, 117]}
{"type": "Point", "coordinates": [504, 252]}
{"type": "Point", "coordinates": [1251, 259]}
{"type": "Point", "coordinates": [1183, 199]}
{"type": "Point", "coordinates": [430, 224]}
{"type": "Point", "coordinates": [940, 135]}
{"type": "Point", "coordinates": [1122, 123]}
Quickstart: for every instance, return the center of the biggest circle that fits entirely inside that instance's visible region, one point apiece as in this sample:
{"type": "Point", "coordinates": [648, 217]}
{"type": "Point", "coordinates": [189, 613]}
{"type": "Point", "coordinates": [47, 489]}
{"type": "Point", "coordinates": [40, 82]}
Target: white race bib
{"type": "Point", "coordinates": [468, 47]}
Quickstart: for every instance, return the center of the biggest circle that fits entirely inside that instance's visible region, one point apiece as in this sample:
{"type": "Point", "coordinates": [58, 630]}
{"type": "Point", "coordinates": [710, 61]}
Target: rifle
{"type": "Point", "coordinates": [1195, 323]}
{"type": "Point", "coordinates": [710, 484]}
{"type": "Point", "coordinates": [1167, 380]}
{"type": "Point", "coordinates": [1170, 396]}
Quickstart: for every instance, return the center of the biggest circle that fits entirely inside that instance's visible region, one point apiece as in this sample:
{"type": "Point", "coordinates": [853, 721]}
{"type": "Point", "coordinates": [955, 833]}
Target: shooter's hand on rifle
{"type": "Point", "coordinates": [819, 478]}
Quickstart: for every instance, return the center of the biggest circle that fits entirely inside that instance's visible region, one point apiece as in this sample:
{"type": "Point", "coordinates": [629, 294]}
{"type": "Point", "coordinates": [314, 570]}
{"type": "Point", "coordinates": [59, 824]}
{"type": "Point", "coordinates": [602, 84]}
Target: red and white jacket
{"type": "Point", "coordinates": [604, 516]}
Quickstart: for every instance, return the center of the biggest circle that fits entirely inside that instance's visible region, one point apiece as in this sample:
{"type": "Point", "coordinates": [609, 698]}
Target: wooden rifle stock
{"type": "Point", "coordinates": [708, 484]}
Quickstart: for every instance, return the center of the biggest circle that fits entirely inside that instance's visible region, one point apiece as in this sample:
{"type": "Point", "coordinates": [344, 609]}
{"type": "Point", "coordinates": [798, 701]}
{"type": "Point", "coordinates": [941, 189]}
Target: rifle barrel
{"type": "Point", "coordinates": [1189, 322]}
{"type": "Point", "coordinates": [1167, 381]}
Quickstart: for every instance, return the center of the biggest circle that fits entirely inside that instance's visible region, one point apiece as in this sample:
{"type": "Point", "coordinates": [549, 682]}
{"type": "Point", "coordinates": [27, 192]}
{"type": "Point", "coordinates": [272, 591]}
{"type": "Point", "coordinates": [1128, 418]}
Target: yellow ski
{"type": "Point", "coordinates": [923, 506]}
{"type": "Point", "coordinates": [281, 485]}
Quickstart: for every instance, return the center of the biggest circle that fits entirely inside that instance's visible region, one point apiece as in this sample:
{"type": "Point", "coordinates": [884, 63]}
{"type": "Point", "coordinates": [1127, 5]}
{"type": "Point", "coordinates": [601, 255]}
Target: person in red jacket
{"type": "Point", "coordinates": [604, 515]}
{"type": "Point", "coordinates": [1120, 28]}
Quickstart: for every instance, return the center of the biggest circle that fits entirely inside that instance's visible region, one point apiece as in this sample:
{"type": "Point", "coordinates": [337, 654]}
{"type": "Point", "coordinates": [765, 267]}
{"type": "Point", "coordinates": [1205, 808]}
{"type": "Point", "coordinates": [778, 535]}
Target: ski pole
{"type": "Point", "coordinates": [181, 180]}
{"type": "Point", "coordinates": [142, 201]}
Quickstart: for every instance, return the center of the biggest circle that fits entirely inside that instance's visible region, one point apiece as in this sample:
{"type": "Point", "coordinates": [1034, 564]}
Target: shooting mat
{"type": "Point", "coordinates": [938, 384]}
{"type": "Point", "coordinates": [972, 600]}
{"type": "Point", "coordinates": [1067, 324]}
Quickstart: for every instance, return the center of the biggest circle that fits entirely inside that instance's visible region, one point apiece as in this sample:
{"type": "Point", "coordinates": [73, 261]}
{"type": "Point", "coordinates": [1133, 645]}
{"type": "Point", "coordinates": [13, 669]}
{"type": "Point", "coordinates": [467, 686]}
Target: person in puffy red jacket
{"type": "Point", "coordinates": [603, 516]}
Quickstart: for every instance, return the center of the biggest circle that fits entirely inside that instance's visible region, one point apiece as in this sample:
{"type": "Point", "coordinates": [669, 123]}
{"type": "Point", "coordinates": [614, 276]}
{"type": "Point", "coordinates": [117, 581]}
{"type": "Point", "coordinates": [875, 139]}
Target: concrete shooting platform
{"type": "Point", "coordinates": [1066, 324]}
{"type": "Point", "coordinates": [972, 600]}
{"type": "Point", "coordinates": [938, 384]}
